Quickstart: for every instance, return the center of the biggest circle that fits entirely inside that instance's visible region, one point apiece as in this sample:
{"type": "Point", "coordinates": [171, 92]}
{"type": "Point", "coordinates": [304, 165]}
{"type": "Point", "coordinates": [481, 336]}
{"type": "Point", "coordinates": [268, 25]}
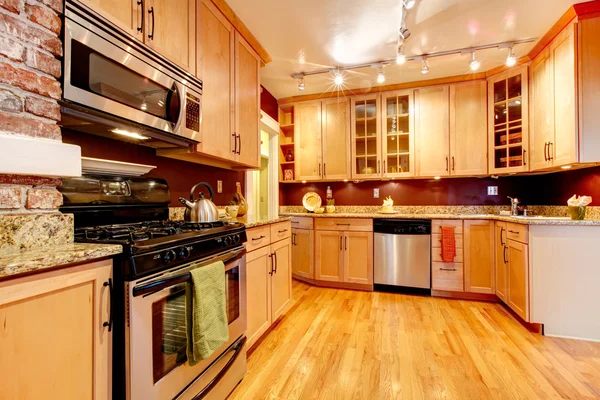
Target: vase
{"type": "Point", "coordinates": [241, 201]}
{"type": "Point", "coordinates": [289, 157]}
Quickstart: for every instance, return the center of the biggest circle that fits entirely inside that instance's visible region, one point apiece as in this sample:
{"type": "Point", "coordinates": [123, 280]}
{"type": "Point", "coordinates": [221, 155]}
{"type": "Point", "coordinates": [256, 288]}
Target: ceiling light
{"type": "Point", "coordinates": [511, 60]}
{"type": "Point", "coordinates": [404, 33]}
{"type": "Point", "coordinates": [424, 67]}
{"type": "Point", "coordinates": [338, 78]}
{"type": "Point", "coordinates": [400, 56]}
{"type": "Point", "coordinates": [129, 134]}
{"type": "Point", "coordinates": [566, 166]}
{"type": "Point", "coordinates": [301, 85]}
{"type": "Point", "coordinates": [474, 64]}
{"type": "Point", "coordinates": [381, 76]}
{"type": "Point", "coordinates": [409, 4]}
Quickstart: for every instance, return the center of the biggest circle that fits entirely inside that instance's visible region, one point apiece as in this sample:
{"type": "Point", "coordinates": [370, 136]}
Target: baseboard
{"type": "Point", "coordinates": [466, 295]}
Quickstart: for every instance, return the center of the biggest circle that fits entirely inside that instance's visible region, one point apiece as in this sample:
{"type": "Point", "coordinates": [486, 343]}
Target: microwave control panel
{"type": "Point", "coordinates": [192, 113]}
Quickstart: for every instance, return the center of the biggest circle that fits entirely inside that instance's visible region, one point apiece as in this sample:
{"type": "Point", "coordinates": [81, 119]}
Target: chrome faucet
{"type": "Point", "coordinates": [514, 203]}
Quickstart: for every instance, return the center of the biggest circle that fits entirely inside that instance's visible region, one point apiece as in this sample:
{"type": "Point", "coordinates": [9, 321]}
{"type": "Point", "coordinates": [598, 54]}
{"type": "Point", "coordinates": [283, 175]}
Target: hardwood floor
{"type": "Point", "coordinates": [342, 344]}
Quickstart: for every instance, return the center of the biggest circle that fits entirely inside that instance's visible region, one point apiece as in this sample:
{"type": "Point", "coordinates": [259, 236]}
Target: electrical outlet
{"type": "Point", "coordinates": [492, 190]}
{"type": "Point", "coordinates": [376, 193]}
{"type": "Point", "coordinates": [219, 186]}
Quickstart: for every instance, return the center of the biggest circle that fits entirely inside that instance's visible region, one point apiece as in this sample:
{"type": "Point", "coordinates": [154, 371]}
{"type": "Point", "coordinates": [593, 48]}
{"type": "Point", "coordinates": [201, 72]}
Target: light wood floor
{"type": "Point", "coordinates": [341, 344]}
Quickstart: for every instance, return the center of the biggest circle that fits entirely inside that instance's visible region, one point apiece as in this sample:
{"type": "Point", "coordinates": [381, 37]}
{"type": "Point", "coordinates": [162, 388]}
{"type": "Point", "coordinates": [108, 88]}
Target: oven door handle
{"type": "Point", "coordinates": [158, 285]}
{"type": "Point", "coordinates": [215, 381]}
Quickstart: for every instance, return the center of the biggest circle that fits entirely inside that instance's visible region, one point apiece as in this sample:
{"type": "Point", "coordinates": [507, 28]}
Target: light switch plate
{"type": "Point", "coordinates": [376, 193]}
{"type": "Point", "coordinates": [219, 186]}
{"type": "Point", "coordinates": [492, 190]}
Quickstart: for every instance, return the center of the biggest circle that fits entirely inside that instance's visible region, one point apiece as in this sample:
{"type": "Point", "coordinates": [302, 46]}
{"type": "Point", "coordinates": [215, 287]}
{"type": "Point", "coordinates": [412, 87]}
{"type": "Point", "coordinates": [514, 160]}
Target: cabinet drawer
{"type": "Point", "coordinates": [447, 276]}
{"type": "Point", "coordinates": [517, 232]}
{"type": "Point", "coordinates": [437, 224]}
{"type": "Point", "coordinates": [436, 241]}
{"type": "Point", "coordinates": [436, 255]}
{"type": "Point", "coordinates": [258, 237]}
{"type": "Point", "coordinates": [344, 224]}
{"type": "Point", "coordinates": [302, 222]}
{"type": "Point", "coordinates": [281, 230]}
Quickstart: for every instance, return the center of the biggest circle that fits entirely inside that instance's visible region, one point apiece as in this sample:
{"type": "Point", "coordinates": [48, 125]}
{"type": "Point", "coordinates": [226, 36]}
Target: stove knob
{"type": "Point", "coordinates": [236, 238]}
{"type": "Point", "coordinates": [169, 256]}
{"type": "Point", "coordinates": [227, 240]}
{"type": "Point", "coordinates": [184, 253]}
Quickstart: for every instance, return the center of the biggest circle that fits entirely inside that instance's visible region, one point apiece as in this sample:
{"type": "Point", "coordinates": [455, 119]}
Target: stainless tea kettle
{"type": "Point", "coordinates": [200, 210]}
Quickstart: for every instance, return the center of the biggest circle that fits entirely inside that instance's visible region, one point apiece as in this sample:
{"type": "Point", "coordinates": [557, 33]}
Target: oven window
{"type": "Point", "coordinates": [169, 339]}
{"type": "Point", "coordinates": [232, 286]}
{"type": "Point", "coordinates": [102, 76]}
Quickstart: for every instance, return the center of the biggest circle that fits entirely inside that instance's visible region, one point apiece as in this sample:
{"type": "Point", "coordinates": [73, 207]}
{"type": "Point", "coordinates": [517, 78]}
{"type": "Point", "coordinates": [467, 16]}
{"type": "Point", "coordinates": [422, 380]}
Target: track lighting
{"type": "Point", "coordinates": [301, 85]}
{"type": "Point", "coordinates": [409, 4]}
{"type": "Point", "coordinates": [381, 76]}
{"type": "Point", "coordinates": [338, 78]}
{"type": "Point", "coordinates": [511, 60]}
{"type": "Point", "coordinates": [424, 67]}
{"type": "Point", "coordinates": [474, 64]}
{"type": "Point", "coordinates": [404, 33]}
{"type": "Point", "coordinates": [400, 56]}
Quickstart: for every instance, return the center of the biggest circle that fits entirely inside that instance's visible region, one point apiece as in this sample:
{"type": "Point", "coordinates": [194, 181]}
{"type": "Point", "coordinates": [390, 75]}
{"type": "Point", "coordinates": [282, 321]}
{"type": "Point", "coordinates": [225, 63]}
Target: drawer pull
{"type": "Point", "coordinates": [342, 224]}
{"type": "Point", "coordinates": [260, 237]}
{"type": "Point", "coordinates": [295, 222]}
{"type": "Point", "coordinates": [447, 269]}
{"type": "Point", "coordinates": [509, 231]}
{"type": "Point", "coordinates": [282, 231]}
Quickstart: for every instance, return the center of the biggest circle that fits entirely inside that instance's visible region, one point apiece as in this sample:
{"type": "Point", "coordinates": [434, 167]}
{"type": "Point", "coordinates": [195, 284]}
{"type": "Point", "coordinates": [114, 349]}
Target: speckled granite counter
{"type": "Point", "coordinates": [21, 262]}
{"type": "Point", "coordinates": [254, 222]}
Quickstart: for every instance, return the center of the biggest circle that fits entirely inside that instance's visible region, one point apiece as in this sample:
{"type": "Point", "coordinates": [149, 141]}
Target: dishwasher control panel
{"type": "Point", "coordinates": [402, 227]}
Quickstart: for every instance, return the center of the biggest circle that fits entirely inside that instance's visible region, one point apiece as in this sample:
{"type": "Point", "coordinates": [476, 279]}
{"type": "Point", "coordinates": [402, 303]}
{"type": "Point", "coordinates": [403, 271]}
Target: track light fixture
{"type": "Point", "coordinates": [474, 64]}
{"type": "Point", "coordinates": [400, 56]}
{"type": "Point", "coordinates": [338, 78]}
{"type": "Point", "coordinates": [511, 60]}
{"type": "Point", "coordinates": [409, 4]}
{"type": "Point", "coordinates": [381, 75]}
{"type": "Point", "coordinates": [424, 66]}
{"type": "Point", "coordinates": [301, 85]}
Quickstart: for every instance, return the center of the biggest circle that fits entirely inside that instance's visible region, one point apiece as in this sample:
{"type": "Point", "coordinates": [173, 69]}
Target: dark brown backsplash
{"type": "Point", "coordinates": [549, 189]}
{"type": "Point", "coordinates": [180, 175]}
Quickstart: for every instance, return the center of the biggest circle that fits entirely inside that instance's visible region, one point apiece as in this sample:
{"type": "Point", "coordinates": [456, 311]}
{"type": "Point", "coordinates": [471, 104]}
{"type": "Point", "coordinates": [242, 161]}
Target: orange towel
{"type": "Point", "coordinates": [448, 244]}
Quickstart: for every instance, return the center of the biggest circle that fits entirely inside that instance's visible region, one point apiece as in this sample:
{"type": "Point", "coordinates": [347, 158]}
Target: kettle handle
{"type": "Point", "coordinates": [210, 190]}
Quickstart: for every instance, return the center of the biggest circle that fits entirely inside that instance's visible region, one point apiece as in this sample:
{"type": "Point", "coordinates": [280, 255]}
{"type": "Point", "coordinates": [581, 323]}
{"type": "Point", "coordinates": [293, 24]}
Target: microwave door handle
{"type": "Point", "coordinates": [183, 102]}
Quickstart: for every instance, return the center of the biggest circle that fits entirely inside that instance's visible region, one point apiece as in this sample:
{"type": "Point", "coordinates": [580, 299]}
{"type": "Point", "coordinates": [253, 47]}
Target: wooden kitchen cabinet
{"type": "Point", "coordinates": [307, 141]}
{"type": "Point", "coordinates": [447, 276]}
{"type": "Point", "coordinates": [358, 257]}
{"type": "Point", "coordinates": [335, 124]}
{"type": "Point", "coordinates": [432, 127]}
{"type": "Point", "coordinates": [479, 251]}
{"type": "Point", "coordinates": [366, 136]}
{"type": "Point", "coordinates": [542, 110]}
{"type": "Point", "coordinates": [170, 29]}
{"type": "Point", "coordinates": [398, 134]}
{"type": "Point", "coordinates": [501, 263]}
{"type": "Point", "coordinates": [281, 278]}
{"type": "Point", "coordinates": [468, 129]}
{"type": "Point", "coordinates": [303, 253]}
{"type": "Point", "coordinates": [127, 14]}
{"type": "Point", "coordinates": [258, 294]}
{"type": "Point", "coordinates": [518, 278]}
{"type": "Point", "coordinates": [329, 256]}
{"type": "Point", "coordinates": [54, 344]}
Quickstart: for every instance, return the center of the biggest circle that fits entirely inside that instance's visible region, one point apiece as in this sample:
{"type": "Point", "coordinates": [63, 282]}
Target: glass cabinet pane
{"type": "Point", "coordinates": [398, 133]}
{"type": "Point", "coordinates": [508, 121]}
{"type": "Point", "coordinates": [366, 141]}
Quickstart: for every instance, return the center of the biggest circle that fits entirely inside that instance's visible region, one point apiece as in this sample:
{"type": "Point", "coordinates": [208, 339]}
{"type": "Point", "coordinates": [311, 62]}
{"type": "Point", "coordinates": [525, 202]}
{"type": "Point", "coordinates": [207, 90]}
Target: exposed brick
{"type": "Point", "coordinates": [29, 81]}
{"type": "Point", "coordinates": [10, 197]}
{"type": "Point", "coordinates": [28, 126]}
{"type": "Point", "coordinates": [47, 199]}
{"type": "Point", "coordinates": [9, 101]}
{"type": "Point", "coordinates": [43, 16]}
{"type": "Point", "coordinates": [19, 29]}
{"type": "Point", "coordinates": [43, 62]}
{"type": "Point", "coordinates": [29, 180]}
{"type": "Point", "coordinates": [11, 49]}
{"type": "Point", "coordinates": [43, 108]}
{"type": "Point", "coordinates": [12, 5]}
{"type": "Point", "coordinates": [56, 5]}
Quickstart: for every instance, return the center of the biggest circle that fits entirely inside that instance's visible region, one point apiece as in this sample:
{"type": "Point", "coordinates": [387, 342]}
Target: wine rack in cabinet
{"type": "Point", "coordinates": [398, 134]}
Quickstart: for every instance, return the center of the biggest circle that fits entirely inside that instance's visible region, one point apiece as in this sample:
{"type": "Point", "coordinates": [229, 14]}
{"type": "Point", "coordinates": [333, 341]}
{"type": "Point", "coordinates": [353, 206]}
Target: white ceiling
{"type": "Point", "coordinates": [303, 35]}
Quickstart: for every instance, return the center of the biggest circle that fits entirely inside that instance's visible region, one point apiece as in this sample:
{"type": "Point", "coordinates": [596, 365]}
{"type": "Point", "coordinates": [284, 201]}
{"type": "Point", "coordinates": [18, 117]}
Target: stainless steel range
{"type": "Point", "coordinates": [149, 279]}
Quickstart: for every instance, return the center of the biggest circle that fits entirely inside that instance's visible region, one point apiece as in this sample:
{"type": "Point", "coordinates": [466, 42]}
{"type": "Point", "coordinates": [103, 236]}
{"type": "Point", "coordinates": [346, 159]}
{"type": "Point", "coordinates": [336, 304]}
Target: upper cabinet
{"type": "Point", "coordinates": [366, 136]}
{"type": "Point", "coordinates": [127, 14]}
{"type": "Point", "coordinates": [433, 137]}
{"type": "Point", "coordinates": [307, 139]}
{"type": "Point", "coordinates": [398, 134]}
{"type": "Point", "coordinates": [170, 29]}
{"type": "Point", "coordinates": [564, 98]}
{"type": "Point", "coordinates": [508, 121]}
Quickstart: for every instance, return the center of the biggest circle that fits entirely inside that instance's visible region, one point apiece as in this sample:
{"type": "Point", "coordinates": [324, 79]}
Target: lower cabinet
{"type": "Point", "coordinates": [269, 284]}
{"type": "Point", "coordinates": [447, 276]}
{"type": "Point", "coordinates": [518, 278]}
{"type": "Point", "coordinates": [302, 253]}
{"type": "Point", "coordinates": [479, 256]}
{"type": "Point", "coordinates": [329, 256]}
{"type": "Point", "coordinates": [501, 261]}
{"type": "Point", "coordinates": [54, 343]}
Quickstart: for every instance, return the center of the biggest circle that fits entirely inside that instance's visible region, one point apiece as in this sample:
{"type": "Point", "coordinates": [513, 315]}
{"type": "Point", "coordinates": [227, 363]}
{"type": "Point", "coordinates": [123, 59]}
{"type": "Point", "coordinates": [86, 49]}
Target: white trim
{"type": "Point", "coordinates": [21, 155]}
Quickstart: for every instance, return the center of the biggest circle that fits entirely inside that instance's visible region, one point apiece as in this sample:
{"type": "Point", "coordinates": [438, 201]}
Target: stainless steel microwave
{"type": "Point", "coordinates": [114, 84]}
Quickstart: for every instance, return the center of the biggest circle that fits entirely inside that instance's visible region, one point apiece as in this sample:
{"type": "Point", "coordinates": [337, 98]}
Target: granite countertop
{"type": "Point", "coordinates": [518, 220]}
{"type": "Point", "coordinates": [36, 260]}
{"type": "Point", "coordinates": [257, 221]}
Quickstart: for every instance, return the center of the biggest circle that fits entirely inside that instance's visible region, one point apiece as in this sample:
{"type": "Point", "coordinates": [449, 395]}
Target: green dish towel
{"type": "Point", "coordinates": [206, 314]}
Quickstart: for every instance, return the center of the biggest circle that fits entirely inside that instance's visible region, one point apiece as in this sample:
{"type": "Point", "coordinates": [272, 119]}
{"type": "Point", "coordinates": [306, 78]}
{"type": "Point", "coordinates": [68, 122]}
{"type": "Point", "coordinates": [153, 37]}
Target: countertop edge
{"type": "Point", "coordinates": [264, 222]}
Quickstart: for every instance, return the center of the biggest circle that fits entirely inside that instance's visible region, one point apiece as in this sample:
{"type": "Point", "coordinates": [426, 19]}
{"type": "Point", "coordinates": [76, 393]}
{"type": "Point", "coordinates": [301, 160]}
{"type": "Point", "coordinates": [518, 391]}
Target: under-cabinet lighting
{"type": "Point", "coordinates": [511, 60]}
{"type": "Point", "coordinates": [303, 181]}
{"type": "Point", "coordinates": [134, 135]}
{"type": "Point", "coordinates": [437, 178]}
{"type": "Point", "coordinates": [345, 180]}
{"type": "Point", "coordinates": [566, 166]}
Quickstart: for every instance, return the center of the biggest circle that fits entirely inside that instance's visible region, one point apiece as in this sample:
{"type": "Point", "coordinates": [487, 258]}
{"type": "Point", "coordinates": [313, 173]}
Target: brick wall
{"type": "Point", "coordinates": [29, 90]}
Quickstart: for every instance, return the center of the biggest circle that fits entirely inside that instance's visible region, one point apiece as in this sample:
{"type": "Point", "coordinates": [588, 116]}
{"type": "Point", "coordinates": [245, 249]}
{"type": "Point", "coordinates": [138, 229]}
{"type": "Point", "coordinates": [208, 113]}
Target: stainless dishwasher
{"type": "Point", "coordinates": [402, 253]}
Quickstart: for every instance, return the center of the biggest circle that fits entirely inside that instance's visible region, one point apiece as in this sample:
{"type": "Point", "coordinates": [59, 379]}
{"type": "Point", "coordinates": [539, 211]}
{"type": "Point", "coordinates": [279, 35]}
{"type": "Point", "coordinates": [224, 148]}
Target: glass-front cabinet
{"type": "Point", "coordinates": [397, 134]}
{"type": "Point", "coordinates": [366, 137]}
{"type": "Point", "coordinates": [508, 121]}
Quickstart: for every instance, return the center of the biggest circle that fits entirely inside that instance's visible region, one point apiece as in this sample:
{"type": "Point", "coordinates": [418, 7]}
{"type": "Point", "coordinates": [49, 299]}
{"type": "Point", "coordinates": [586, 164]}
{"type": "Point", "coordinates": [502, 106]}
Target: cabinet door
{"type": "Point", "coordinates": [542, 110]}
{"type": "Point", "coordinates": [468, 129]}
{"type": "Point", "coordinates": [216, 63]}
{"type": "Point", "coordinates": [518, 278]}
{"type": "Point", "coordinates": [358, 257]}
{"type": "Point", "coordinates": [479, 256]}
{"type": "Point", "coordinates": [329, 256]}
{"type": "Point", "coordinates": [171, 30]}
{"type": "Point", "coordinates": [432, 125]}
{"type": "Point", "coordinates": [127, 14]}
{"type": "Point", "coordinates": [258, 295]}
{"type": "Point", "coordinates": [281, 280]}
{"type": "Point", "coordinates": [54, 344]}
{"type": "Point", "coordinates": [501, 261]}
{"type": "Point", "coordinates": [563, 148]}
{"type": "Point", "coordinates": [398, 134]}
{"type": "Point", "coordinates": [307, 139]}
{"type": "Point", "coordinates": [247, 102]}
{"type": "Point", "coordinates": [302, 253]}
{"type": "Point", "coordinates": [336, 139]}
{"type": "Point", "coordinates": [366, 136]}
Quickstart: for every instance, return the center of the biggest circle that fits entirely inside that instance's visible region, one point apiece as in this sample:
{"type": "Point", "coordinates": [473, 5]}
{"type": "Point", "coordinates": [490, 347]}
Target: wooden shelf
{"type": "Point", "coordinates": [398, 134]}
{"type": "Point", "coordinates": [511, 159]}
{"type": "Point", "coordinates": [365, 119]}
{"type": "Point", "coordinates": [365, 155]}
{"type": "Point", "coordinates": [508, 100]}
{"type": "Point", "coordinates": [287, 163]}
{"type": "Point", "coordinates": [368, 138]}
{"type": "Point", "coordinates": [398, 116]}
{"type": "Point", "coordinates": [287, 128]}
{"type": "Point", "coordinates": [286, 145]}
{"type": "Point", "coordinates": [404, 153]}
{"type": "Point", "coordinates": [511, 136]}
